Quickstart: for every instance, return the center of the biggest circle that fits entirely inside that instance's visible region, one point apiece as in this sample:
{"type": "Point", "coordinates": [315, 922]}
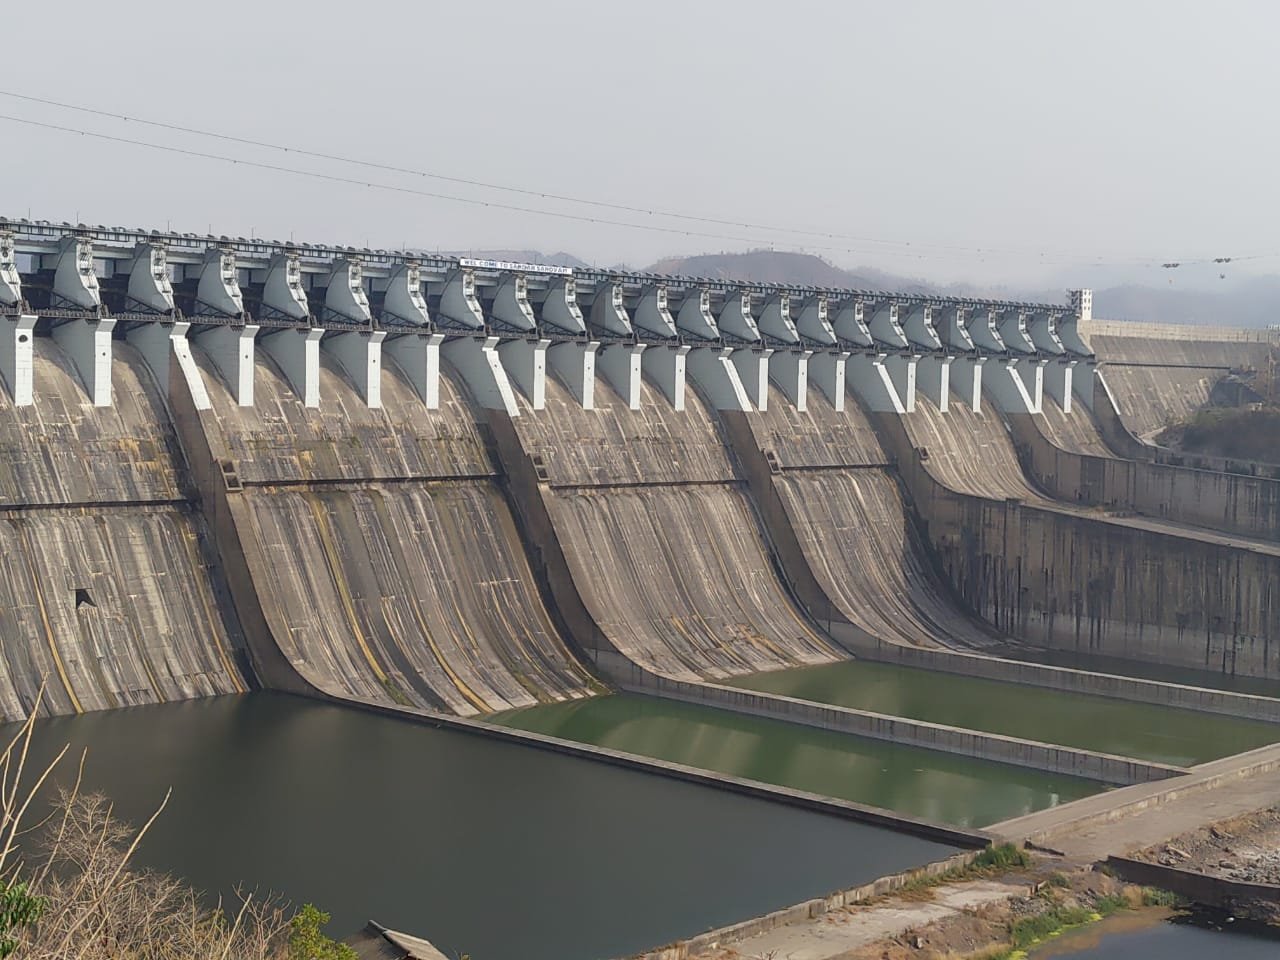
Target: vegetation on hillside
{"type": "Point", "coordinates": [1239, 433]}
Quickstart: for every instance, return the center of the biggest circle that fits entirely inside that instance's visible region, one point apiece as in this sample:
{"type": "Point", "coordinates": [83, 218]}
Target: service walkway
{"type": "Point", "coordinates": [1118, 821]}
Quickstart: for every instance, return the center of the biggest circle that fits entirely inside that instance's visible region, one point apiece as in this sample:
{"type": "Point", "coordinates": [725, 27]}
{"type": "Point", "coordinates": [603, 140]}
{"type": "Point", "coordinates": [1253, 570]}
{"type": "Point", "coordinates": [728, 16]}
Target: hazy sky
{"type": "Point", "coordinates": [1130, 131]}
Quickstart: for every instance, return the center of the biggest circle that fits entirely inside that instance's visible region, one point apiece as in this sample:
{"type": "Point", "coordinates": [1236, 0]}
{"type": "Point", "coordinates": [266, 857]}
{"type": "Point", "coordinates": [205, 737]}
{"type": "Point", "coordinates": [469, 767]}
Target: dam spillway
{"type": "Point", "coordinates": [447, 488]}
{"type": "Point", "coordinates": [108, 586]}
{"type": "Point", "coordinates": [392, 566]}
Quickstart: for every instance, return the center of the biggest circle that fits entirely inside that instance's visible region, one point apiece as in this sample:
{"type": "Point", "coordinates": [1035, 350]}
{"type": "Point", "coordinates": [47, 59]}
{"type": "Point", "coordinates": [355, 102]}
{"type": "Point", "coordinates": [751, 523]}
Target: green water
{"type": "Point", "coordinates": [923, 783]}
{"type": "Point", "coordinates": [1159, 734]}
{"type": "Point", "coordinates": [484, 847]}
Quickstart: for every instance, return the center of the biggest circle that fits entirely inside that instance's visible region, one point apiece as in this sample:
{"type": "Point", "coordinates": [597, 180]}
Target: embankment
{"type": "Point", "coordinates": [107, 586]}
{"type": "Point", "coordinates": [377, 557]}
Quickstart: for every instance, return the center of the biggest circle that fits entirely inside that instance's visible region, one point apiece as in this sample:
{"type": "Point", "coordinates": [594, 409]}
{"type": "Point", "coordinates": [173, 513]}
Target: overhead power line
{"type": "Point", "coordinates": [908, 249]}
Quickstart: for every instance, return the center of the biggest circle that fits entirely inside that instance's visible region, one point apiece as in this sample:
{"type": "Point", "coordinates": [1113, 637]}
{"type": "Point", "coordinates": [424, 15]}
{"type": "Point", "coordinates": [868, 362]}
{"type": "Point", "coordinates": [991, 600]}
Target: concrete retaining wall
{"type": "Point", "coordinates": [1105, 768]}
{"type": "Point", "coordinates": [1197, 887]}
{"type": "Point", "coordinates": [1069, 581]}
{"type": "Point", "coordinates": [1226, 502]}
{"type": "Point", "coordinates": [806, 910]}
{"type": "Point", "coordinates": [846, 809]}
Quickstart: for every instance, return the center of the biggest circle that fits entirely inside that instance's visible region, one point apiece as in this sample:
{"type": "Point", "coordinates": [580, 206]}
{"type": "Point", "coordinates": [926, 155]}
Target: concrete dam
{"type": "Point", "coordinates": [448, 489]}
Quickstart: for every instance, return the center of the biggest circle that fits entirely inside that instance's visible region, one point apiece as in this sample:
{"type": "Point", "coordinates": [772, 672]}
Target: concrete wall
{"type": "Point", "coordinates": [1069, 581]}
{"type": "Point", "coordinates": [1210, 891]}
{"type": "Point", "coordinates": [1248, 506]}
{"type": "Point", "coordinates": [807, 910]}
{"type": "Point", "coordinates": [1104, 768]}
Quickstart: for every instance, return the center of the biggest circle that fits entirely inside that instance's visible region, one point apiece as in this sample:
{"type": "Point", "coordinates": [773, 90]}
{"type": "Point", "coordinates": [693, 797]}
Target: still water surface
{"type": "Point", "coordinates": [1122, 937]}
{"type": "Point", "coordinates": [497, 850]}
{"type": "Point", "coordinates": [1159, 734]}
{"type": "Point", "coordinates": [924, 783]}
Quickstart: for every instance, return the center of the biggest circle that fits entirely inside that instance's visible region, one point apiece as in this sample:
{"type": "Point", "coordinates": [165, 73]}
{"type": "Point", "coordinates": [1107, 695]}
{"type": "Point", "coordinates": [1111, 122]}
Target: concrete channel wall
{"type": "Point", "coordinates": [1086, 764]}
{"type": "Point", "coordinates": [1225, 502]}
{"type": "Point", "coordinates": [1200, 888]}
{"type": "Point", "coordinates": [1061, 579]}
{"type": "Point", "coordinates": [805, 910]}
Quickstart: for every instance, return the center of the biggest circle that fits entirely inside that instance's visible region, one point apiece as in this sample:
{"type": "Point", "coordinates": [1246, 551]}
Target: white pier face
{"type": "Point", "coordinates": [1059, 377]}
{"type": "Point", "coordinates": [695, 317]}
{"type": "Point", "coordinates": [560, 308]}
{"type": "Point", "coordinates": [714, 371]}
{"type": "Point", "coordinates": [10, 280]}
{"type": "Point", "coordinates": [753, 369]}
{"type": "Point", "coordinates": [345, 295]}
{"type": "Point", "coordinates": [919, 329]}
{"type": "Point", "coordinates": [418, 357]}
{"type": "Point", "coordinates": [297, 353]}
{"type": "Point", "coordinates": [903, 370]}
{"type": "Point", "coordinates": [17, 360]}
{"type": "Point", "coordinates": [575, 365]}
{"type": "Point", "coordinates": [232, 351]}
{"type": "Point", "coordinates": [736, 320]}
{"type": "Point", "coordinates": [283, 292]}
{"type": "Point", "coordinates": [666, 366]}
{"type": "Point", "coordinates": [149, 287]}
{"type": "Point", "coordinates": [789, 369]}
{"type": "Point", "coordinates": [526, 363]}
{"type": "Point", "coordinates": [966, 374]}
{"type": "Point", "coordinates": [952, 328]}
{"type": "Point", "coordinates": [360, 354]}
{"type": "Point", "coordinates": [775, 319]}
{"type": "Point", "coordinates": [218, 291]}
{"type": "Point", "coordinates": [827, 372]}
{"type": "Point", "coordinates": [851, 325]}
{"type": "Point", "coordinates": [869, 378]}
{"type": "Point", "coordinates": [458, 301]}
{"type": "Point", "coordinates": [476, 360]}
{"type": "Point", "coordinates": [404, 302]}
{"type": "Point", "coordinates": [609, 311]}
{"type": "Point", "coordinates": [162, 345]}
{"type": "Point", "coordinates": [619, 364]}
{"type": "Point", "coordinates": [1043, 328]}
{"type": "Point", "coordinates": [88, 343]}
{"type": "Point", "coordinates": [982, 330]}
{"type": "Point", "coordinates": [511, 305]}
{"type": "Point", "coordinates": [885, 328]}
{"type": "Point", "coordinates": [933, 379]}
{"type": "Point", "coordinates": [74, 281]}
{"type": "Point", "coordinates": [812, 324]}
{"type": "Point", "coordinates": [1013, 331]}
{"type": "Point", "coordinates": [652, 313]}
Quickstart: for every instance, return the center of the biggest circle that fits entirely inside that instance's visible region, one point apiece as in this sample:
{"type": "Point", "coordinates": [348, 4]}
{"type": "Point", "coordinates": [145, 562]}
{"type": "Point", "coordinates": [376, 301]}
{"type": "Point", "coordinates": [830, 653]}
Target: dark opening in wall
{"type": "Point", "coordinates": [83, 598]}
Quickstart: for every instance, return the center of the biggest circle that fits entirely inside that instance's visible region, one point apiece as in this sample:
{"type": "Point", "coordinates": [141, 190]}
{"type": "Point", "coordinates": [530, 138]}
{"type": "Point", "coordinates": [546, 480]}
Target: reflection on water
{"type": "Point", "coordinates": [487, 848]}
{"type": "Point", "coordinates": [924, 783]}
{"type": "Point", "coordinates": [1154, 935]}
{"type": "Point", "coordinates": [1160, 734]}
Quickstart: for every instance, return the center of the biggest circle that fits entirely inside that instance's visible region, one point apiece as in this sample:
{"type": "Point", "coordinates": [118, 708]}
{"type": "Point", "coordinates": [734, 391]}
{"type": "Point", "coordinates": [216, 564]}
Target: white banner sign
{"type": "Point", "coordinates": [515, 267]}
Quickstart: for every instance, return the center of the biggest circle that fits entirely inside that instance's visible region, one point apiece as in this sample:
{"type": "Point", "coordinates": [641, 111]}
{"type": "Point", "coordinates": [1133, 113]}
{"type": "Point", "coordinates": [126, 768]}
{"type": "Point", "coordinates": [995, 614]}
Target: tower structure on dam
{"type": "Point", "coordinates": [467, 485]}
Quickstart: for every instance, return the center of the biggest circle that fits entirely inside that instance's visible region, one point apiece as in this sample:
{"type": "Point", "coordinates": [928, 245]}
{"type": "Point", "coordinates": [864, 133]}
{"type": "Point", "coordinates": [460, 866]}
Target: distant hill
{"type": "Point", "coordinates": [1247, 301]}
{"type": "Point", "coordinates": [773, 266]}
